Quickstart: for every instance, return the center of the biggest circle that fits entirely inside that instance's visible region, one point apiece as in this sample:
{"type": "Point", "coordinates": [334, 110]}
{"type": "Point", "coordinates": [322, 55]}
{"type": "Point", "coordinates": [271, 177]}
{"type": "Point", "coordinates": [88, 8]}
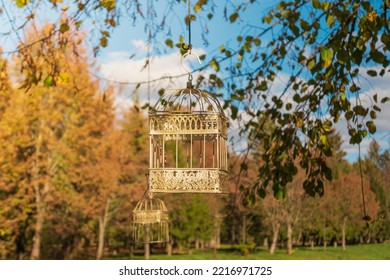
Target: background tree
{"type": "Point", "coordinates": [191, 220]}
{"type": "Point", "coordinates": [376, 165]}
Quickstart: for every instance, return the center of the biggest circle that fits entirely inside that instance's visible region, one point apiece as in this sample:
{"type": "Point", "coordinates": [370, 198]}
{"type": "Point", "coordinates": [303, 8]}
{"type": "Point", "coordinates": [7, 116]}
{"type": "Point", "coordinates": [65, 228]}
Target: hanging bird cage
{"type": "Point", "coordinates": [150, 221]}
{"type": "Point", "coordinates": [188, 143]}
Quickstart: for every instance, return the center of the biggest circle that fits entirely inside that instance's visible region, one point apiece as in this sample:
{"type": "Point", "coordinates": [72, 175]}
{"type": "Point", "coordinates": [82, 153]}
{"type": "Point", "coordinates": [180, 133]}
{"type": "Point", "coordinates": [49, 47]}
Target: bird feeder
{"type": "Point", "coordinates": [150, 221]}
{"type": "Point", "coordinates": [188, 143]}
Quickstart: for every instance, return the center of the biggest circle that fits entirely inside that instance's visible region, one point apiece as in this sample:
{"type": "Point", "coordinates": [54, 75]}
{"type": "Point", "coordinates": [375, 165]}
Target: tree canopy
{"type": "Point", "coordinates": [325, 47]}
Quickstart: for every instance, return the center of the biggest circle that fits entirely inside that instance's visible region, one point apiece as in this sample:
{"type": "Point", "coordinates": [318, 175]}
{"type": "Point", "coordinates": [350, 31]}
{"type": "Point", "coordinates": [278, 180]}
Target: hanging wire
{"type": "Point", "coordinates": [189, 46]}
{"type": "Point", "coordinates": [148, 51]}
{"type": "Point", "coordinates": [189, 25]}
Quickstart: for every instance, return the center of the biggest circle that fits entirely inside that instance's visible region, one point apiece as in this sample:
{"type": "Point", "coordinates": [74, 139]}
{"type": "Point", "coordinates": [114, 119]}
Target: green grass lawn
{"type": "Point", "coordinates": [353, 252]}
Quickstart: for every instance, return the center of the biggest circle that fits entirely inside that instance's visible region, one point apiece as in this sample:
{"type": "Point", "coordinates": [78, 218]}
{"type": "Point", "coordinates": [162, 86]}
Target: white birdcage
{"type": "Point", "coordinates": [150, 221]}
{"type": "Point", "coordinates": [188, 143]}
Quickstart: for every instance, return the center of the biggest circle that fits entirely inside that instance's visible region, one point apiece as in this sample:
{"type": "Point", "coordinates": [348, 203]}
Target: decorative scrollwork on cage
{"type": "Point", "coordinates": [188, 143]}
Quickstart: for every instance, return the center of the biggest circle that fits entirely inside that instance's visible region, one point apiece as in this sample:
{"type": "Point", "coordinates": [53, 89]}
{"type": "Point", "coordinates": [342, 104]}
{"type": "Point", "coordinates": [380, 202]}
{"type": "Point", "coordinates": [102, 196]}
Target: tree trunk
{"type": "Point", "coordinates": [325, 237]}
{"type": "Point", "coordinates": [147, 251]}
{"type": "Point", "coordinates": [131, 251]}
{"type": "Point", "coordinates": [233, 232]}
{"type": "Point", "coordinates": [343, 234]}
{"type": "Point", "coordinates": [169, 249]}
{"type": "Point", "coordinates": [275, 233]}
{"type": "Point", "coordinates": [299, 238]}
{"type": "Point", "coordinates": [289, 238]}
{"type": "Point", "coordinates": [244, 229]}
{"type": "Point", "coordinates": [40, 219]}
{"type": "Point", "coordinates": [265, 243]}
{"type": "Point", "coordinates": [39, 199]}
{"type": "Point", "coordinates": [312, 243]}
{"type": "Point", "coordinates": [217, 235]}
{"type": "Point", "coordinates": [103, 220]}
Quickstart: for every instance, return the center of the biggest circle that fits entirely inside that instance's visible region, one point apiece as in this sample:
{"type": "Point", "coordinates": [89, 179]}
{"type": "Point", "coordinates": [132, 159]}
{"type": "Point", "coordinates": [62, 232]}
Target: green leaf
{"type": "Point", "coordinates": [385, 99]}
{"type": "Point", "coordinates": [349, 115]}
{"type": "Point", "coordinates": [111, 22]}
{"type": "Point", "coordinates": [103, 42]}
{"type": "Point", "coordinates": [21, 3]}
{"type": "Point", "coordinates": [311, 64]}
{"type": "Point", "coordinates": [324, 139]}
{"type": "Point", "coordinates": [360, 110]}
{"type": "Point", "coordinates": [328, 151]}
{"type": "Point", "coordinates": [268, 19]}
{"type": "Point", "coordinates": [316, 4]}
{"type": "Point", "coordinates": [234, 110]}
{"type": "Point", "coordinates": [251, 198]}
{"type": "Point", "coordinates": [330, 20]}
{"type": "Point", "coordinates": [278, 192]}
{"type": "Point", "coordinates": [215, 65]}
{"type": "Point", "coordinates": [371, 127]}
{"type": "Point", "coordinates": [108, 4]}
{"type": "Point", "coordinates": [342, 56]}
{"type": "Point", "coordinates": [372, 73]}
{"type": "Point", "coordinates": [49, 81]}
{"type": "Point", "coordinates": [64, 27]}
{"type": "Point", "coordinates": [354, 88]}
{"type": "Point", "coordinates": [169, 43]}
{"type": "Point", "coordinates": [325, 5]}
{"type": "Point", "coordinates": [304, 25]}
{"type": "Point", "coordinates": [326, 56]}
{"type": "Point", "coordinates": [328, 173]}
{"type": "Point", "coordinates": [263, 86]}
{"type": "Point", "coordinates": [233, 17]}
{"type": "Point", "coordinates": [257, 41]}
{"type": "Point", "coordinates": [262, 193]}
{"type": "Point", "coordinates": [378, 56]}
{"type": "Point", "coordinates": [197, 8]}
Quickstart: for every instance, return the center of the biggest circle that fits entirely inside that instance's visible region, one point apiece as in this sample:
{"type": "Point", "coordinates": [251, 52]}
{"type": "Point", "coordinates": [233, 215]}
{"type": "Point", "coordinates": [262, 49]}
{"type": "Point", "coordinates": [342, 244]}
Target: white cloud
{"type": "Point", "coordinates": [140, 46]}
{"type": "Point", "coordinates": [122, 68]}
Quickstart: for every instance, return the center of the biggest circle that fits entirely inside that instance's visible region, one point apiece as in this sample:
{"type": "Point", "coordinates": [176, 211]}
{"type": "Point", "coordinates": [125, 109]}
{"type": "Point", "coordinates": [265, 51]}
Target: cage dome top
{"type": "Point", "coordinates": [188, 100]}
{"type": "Point", "coordinates": [150, 204]}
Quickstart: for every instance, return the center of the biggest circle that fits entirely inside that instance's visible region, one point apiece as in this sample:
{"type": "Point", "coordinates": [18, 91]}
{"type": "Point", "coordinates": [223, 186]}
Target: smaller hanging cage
{"type": "Point", "coordinates": [188, 143]}
{"type": "Point", "coordinates": [150, 221]}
